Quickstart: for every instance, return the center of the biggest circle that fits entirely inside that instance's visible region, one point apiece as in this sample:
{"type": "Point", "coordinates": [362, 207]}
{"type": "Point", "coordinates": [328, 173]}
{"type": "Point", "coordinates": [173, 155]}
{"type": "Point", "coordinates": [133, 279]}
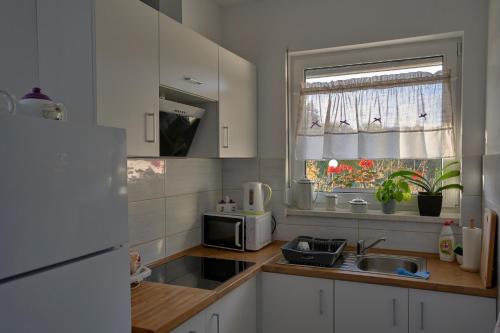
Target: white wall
{"type": "Point", "coordinates": [166, 200]}
{"type": "Point", "coordinates": [491, 160]}
{"type": "Point", "coordinates": [18, 53]}
{"type": "Point", "coordinates": [493, 83]}
{"type": "Point", "coordinates": [203, 16]}
{"type": "Point", "coordinates": [261, 31]}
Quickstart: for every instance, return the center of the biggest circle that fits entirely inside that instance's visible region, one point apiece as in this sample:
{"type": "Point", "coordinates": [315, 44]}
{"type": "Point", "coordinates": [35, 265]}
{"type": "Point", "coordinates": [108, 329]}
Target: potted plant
{"type": "Point", "coordinates": [392, 190]}
{"type": "Point", "coordinates": [430, 200]}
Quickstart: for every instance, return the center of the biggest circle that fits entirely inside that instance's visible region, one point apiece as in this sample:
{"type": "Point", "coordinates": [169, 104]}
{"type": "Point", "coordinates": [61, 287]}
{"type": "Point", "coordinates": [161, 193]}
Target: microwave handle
{"type": "Point", "coordinates": [237, 234]}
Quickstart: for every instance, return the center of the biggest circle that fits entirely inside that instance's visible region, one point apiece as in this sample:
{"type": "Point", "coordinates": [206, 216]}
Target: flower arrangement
{"type": "Point", "coordinates": [360, 175]}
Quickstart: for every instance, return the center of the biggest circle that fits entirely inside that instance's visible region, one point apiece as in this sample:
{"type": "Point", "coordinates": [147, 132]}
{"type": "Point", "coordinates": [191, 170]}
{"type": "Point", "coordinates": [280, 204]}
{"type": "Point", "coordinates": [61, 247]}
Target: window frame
{"type": "Point", "coordinates": [446, 45]}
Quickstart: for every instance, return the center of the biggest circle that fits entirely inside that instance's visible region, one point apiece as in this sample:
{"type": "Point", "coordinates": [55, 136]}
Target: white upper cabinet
{"type": "Point", "coordinates": [296, 304]}
{"type": "Point", "coordinates": [188, 61]}
{"type": "Point", "coordinates": [127, 72]}
{"type": "Point", "coordinates": [237, 106]}
{"type": "Point", "coordinates": [361, 307]}
{"type": "Point", "coordinates": [438, 312]}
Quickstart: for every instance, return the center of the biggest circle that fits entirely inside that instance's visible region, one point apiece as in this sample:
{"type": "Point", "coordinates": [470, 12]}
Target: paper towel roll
{"type": "Point", "coordinates": [472, 249]}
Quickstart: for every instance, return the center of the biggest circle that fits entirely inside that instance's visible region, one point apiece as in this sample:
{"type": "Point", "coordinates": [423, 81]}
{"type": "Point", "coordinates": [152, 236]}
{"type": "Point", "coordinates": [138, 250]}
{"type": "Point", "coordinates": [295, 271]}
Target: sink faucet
{"type": "Point", "coordinates": [361, 248]}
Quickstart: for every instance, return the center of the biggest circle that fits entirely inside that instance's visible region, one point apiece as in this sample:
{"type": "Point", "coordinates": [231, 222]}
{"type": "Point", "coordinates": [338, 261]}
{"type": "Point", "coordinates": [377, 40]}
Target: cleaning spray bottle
{"type": "Point", "coordinates": [447, 243]}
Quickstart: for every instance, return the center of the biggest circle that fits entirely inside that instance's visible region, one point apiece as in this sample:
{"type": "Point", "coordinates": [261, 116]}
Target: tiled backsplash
{"type": "Point", "coordinates": [411, 236]}
{"type": "Point", "coordinates": [166, 200]}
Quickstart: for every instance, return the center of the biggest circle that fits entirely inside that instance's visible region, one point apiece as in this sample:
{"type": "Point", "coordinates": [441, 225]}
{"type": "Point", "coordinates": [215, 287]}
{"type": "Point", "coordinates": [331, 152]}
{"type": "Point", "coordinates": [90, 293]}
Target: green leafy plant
{"type": "Point", "coordinates": [397, 189]}
{"type": "Point", "coordinates": [431, 186]}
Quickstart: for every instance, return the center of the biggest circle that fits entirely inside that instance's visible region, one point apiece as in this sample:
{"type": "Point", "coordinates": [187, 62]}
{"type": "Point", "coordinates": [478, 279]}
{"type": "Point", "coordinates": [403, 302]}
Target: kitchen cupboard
{"type": "Point", "coordinates": [237, 106]}
{"type": "Point", "coordinates": [437, 312]}
{"type": "Point", "coordinates": [235, 312]}
{"type": "Point", "coordinates": [296, 304]}
{"type": "Point", "coordinates": [127, 70]}
{"type": "Point", "coordinates": [188, 61]}
{"type": "Point", "coordinates": [361, 307]}
{"type": "Point", "coordinates": [193, 325]}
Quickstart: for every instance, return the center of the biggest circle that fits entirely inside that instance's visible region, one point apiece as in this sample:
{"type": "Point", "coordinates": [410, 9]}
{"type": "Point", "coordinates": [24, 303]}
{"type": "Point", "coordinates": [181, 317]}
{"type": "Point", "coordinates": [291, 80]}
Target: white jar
{"type": "Point", "coordinates": [359, 206]}
{"type": "Point", "coordinates": [331, 201]}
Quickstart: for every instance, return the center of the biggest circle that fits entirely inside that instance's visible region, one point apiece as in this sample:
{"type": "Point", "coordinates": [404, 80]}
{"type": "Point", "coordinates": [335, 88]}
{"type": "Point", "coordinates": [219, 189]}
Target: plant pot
{"type": "Point", "coordinates": [389, 207]}
{"type": "Point", "coordinates": [429, 204]}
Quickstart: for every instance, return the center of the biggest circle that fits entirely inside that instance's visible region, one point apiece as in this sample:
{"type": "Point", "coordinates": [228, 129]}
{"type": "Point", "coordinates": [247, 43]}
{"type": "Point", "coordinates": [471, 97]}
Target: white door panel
{"type": "Point", "coordinates": [63, 192]}
{"type": "Point", "coordinates": [92, 295]}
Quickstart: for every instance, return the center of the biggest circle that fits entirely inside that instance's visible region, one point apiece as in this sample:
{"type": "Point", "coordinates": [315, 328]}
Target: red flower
{"type": "Point", "coordinates": [366, 164]}
{"type": "Point", "coordinates": [344, 168]}
{"type": "Point", "coordinates": [331, 169]}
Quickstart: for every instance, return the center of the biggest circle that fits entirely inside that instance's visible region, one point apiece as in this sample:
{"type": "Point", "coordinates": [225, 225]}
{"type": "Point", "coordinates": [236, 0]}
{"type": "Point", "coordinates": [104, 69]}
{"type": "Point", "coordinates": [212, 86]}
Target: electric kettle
{"type": "Point", "coordinates": [253, 197]}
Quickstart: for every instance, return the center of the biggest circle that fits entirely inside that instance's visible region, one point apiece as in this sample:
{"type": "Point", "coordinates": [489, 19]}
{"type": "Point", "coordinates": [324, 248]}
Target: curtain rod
{"type": "Point", "coordinates": [446, 75]}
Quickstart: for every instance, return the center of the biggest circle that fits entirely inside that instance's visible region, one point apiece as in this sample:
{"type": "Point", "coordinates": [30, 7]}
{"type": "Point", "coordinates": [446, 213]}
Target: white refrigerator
{"type": "Point", "coordinates": [63, 228]}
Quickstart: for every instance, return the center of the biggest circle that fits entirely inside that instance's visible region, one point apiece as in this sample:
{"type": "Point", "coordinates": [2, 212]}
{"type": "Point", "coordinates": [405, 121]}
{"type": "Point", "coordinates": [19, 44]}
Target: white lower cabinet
{"type": "Point", "coordinates": [193, 325]}
{"type": "Point", "coordinates": [296, 304]}
{"type": "Point", "coordinates": [234, 313]}
{"type": "Point", "coordinates": [438, 312]}
{"type": "Point", "coordinates": [361, 307]}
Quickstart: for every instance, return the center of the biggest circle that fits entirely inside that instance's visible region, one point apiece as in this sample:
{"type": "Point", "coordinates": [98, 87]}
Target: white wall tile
{"type": "Point", "coordinates": [288, 232]}
{"type": "Point", "coordinates": [272, 172]}
{"type": "Point", "coordinates": [471, 208]}
{"type": "Point", "coordinates": [146, 179]}
{"type": "Point", "coordinates": [146, 220]}
{"type": "Point", "coordinates": [191, 175]}
{"type": "Point", "coordinates": [403, 240]}
{"type": "Point", "coordinates": [151, 251]}
{"type": "Point", "coordinates": [491, 185]}
{"type": "Point", "coordinates": [322, 221]}
{"type": "Point", "coordinates": [184, 212]}
{"type": "Point", "coordinates": [183, 241]}
{"type": "Point", "coordinates": [237, 171]}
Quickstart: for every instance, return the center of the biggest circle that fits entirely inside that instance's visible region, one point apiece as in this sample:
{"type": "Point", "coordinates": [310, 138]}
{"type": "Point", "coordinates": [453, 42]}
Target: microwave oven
{"type": "Point", "coordinates": [237, 231]}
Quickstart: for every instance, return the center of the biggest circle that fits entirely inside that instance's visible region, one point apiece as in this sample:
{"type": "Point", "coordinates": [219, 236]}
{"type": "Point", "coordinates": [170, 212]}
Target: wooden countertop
{"type": "Point", "coordinates": [445, 276]}
{"type": "Point", "coordinates": [158, 307]}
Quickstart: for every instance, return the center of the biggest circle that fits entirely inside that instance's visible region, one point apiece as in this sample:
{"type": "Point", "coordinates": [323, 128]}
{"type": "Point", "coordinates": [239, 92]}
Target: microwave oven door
{"type": "Point", "coordinates": [227, 232]}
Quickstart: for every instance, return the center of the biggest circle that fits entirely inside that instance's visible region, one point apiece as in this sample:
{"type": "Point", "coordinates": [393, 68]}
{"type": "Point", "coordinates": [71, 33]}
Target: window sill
{"type": "Point", "coordinates": [372, 214]}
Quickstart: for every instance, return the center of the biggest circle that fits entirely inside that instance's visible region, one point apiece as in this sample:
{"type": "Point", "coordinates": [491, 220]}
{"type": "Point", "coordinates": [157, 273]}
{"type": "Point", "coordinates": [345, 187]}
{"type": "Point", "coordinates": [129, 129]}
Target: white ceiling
{"type": "Point", "coordinates": [231, 2]}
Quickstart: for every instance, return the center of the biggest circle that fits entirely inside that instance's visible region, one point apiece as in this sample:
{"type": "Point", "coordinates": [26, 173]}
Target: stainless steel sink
{"type": "Point", "coordinates": [386, 264]}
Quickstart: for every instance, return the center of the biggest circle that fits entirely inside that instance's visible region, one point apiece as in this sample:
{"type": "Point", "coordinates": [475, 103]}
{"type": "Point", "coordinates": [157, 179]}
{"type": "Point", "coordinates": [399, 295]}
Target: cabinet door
{"type": "Point", "coordinates": [193, 325]}
{"type": "Point", "coordinates": [127, 72]}
{"type": "Point", "coordinates": [296, 304]}
{"type": "Point", "coordinates": [188, 61]}
{"type": "Point", "coordinates": [236, 312]}
{"type": "Point", "coordinates": [437, 312]}
{"type": "Point", "coordinates": [361, 307]}
{"type": "Point", "coordinates": [237, 106]}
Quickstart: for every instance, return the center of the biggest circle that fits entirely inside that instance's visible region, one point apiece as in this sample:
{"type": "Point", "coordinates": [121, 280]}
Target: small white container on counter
{"type": "Point", "coordinates": [359, 206]}
{"type": "Point", "coordinates": [331, 201]}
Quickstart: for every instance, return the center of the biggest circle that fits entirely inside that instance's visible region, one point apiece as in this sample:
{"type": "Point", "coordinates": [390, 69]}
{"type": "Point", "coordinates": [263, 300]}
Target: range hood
{"type": "Point", "coordinates": [178, 125]}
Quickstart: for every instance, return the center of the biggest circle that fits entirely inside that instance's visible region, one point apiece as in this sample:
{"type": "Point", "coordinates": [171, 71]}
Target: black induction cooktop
{"type": "Point", "coordinates": [197, 272]}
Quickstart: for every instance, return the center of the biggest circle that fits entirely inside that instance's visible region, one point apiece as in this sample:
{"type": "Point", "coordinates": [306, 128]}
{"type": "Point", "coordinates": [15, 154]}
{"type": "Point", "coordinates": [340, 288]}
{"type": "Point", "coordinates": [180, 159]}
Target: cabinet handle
{"type": "Point", "coordinates": [237, 234]}
{"type": "Point", "coordinates": [321, 301]}
{"type": "Point", "coordinates": [150, 116]}
{"type": "Point", "coordinates": [216, 315]}
{"type": "Point", "coordinates": [393, 312]}
{"type": "Point", "coordinates": [422, 316]}
{"type": "Point", "coordinates": [193, 80]}
{"type": "Point", "coordinates": [192, 332]}
{"type": "Point", "coordinates": [225, 136]}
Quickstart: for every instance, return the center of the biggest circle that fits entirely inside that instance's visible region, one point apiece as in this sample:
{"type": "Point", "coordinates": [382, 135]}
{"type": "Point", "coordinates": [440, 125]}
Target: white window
{"type": "Point", "coordinates": [358, 114]}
